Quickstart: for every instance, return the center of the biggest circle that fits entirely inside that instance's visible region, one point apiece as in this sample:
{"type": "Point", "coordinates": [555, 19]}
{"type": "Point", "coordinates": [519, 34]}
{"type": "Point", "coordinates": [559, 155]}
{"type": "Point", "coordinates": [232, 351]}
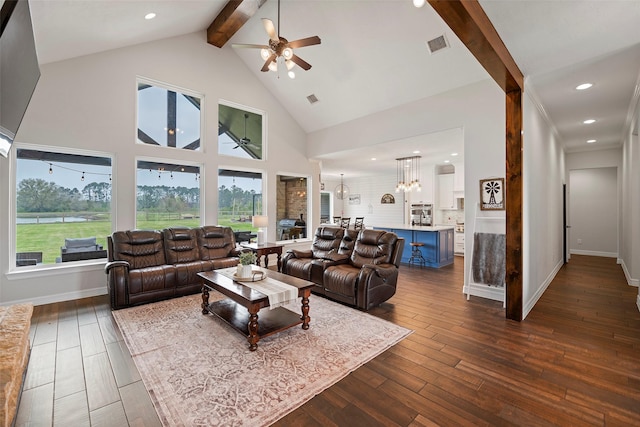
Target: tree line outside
{"type": "Point", "coordinates": [158, 206]}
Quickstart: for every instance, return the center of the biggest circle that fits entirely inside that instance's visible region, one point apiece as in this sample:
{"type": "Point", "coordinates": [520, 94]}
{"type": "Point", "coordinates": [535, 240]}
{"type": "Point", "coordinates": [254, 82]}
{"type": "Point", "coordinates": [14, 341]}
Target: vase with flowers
{"type": "Point", "coordinates": [247, 258]}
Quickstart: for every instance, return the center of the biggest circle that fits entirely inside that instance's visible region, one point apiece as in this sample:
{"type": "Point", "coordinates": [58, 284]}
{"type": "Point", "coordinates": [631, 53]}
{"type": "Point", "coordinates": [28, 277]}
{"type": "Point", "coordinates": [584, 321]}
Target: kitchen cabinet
{"type": "Point", "coordinates": [458, 179]}
{"type": "Point", "coordinates": [445, 191]}
{"type": "Point", "coordinates": [458, 244]}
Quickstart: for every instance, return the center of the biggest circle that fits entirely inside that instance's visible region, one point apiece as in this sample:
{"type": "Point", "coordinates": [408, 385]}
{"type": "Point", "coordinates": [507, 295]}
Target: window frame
{"type": "Point", "coordinates": [309, 210]}
{"type": "Point", "coordinates": [251, 110]}
{"type": "Point", "coordinates": [13, 204]}
{"type": "Point", "coordinates": [173, 88]}
{"type": "Point", "coordinates": [201, 180]}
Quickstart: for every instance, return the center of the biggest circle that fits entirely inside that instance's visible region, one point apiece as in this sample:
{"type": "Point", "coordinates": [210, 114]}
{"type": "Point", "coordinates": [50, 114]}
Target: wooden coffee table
{"type": "Point", "coordinates": [240, 308]}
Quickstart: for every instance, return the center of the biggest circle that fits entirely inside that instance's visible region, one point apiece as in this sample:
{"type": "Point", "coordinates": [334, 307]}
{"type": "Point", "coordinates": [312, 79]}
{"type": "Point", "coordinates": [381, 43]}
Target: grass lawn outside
{"type": "Point", "coordinates": [49, 237]}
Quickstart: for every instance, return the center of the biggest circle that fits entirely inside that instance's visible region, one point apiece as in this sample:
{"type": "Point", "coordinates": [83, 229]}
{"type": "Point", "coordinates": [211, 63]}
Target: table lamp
{"type": "Point", "coordinates": [261, 222]}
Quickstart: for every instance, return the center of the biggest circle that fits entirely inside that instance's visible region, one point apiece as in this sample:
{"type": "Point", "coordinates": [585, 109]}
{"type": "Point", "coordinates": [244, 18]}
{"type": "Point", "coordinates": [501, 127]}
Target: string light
{"type": "Point", "coordinates": [83, 173]}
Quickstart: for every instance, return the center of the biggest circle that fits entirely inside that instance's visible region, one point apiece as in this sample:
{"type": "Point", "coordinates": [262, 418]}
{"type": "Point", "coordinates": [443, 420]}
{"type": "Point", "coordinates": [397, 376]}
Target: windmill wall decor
{"type": "Point", "coordinates": [492, 194]}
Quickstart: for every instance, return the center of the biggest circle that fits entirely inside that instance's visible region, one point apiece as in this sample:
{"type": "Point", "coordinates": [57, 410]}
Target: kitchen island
{"type": "Point", "coordinates": [438, 242]}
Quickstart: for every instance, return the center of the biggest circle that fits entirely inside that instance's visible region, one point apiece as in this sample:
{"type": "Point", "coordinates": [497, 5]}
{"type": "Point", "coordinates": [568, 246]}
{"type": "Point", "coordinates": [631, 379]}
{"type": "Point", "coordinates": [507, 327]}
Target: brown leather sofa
{"type": "Point", "coordinates": [150, 265]}
{"type": "Point", "coordinates": [359, 268]}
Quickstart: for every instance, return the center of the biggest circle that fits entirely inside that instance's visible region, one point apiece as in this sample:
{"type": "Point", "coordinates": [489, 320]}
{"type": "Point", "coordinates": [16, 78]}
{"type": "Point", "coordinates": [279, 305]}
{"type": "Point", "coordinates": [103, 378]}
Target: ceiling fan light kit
{"type": "Point", "coordinates": [279, 47]}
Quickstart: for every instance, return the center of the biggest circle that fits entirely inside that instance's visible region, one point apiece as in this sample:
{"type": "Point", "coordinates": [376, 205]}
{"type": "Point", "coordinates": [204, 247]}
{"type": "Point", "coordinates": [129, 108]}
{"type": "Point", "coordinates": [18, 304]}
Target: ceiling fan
{"type": "Point", "coordinates": [244, 140]}
{"type": "Point", "coordinates": [279, 47]}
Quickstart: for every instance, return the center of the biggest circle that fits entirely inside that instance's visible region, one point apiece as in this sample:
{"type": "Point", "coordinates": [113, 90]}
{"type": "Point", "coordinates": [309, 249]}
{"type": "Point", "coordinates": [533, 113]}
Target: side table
{"type": "Point", "coordinates": [264, 250]}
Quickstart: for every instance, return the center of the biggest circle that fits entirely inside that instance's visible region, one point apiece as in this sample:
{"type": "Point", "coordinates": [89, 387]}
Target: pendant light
{"type": "Point", "coordinates": [342, 191]}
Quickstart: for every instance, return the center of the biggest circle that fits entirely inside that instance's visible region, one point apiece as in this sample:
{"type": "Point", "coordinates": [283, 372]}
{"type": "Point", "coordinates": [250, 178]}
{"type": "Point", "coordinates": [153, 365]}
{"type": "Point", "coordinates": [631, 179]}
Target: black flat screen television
{"type": "Point", "coordinates": [19, 69]}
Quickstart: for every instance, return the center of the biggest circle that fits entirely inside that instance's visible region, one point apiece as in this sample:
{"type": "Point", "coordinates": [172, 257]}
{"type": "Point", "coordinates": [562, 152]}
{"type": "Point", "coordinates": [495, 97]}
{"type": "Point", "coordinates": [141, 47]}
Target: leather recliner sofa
{"type": "Point", "coordinates": [151, 265]}
{"type": "Point", "coordinates": [359, 268]}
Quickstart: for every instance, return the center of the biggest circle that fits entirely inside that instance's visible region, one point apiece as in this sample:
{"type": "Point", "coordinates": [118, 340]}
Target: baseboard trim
{"type": "Point", "coordinates": [541, 290]}
{"type": "Point", "coordinates": [594, 253]}
{"type": "Point", "coordinates": [67, 296]}
{"type": "Point", "coordinates": [630, 281]}
{"type": "Point", "coordinates": [638, 302]}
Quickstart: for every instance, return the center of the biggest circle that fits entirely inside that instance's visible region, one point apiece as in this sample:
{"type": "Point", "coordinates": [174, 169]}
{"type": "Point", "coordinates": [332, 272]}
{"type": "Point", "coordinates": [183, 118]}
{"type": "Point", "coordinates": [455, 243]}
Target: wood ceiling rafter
{"type": "Point", "coordinates": [468, 20]}
{"type": "Point", "coordinates": [230, 19]}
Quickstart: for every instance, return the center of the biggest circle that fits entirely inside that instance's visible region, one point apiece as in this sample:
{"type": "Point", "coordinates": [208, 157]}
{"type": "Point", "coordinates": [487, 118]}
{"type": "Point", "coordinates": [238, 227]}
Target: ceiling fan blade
{"type": "Point", "coordinates": [250, 46]}
{"type": "Point", "coordinates": [300, 62]}
{"type": "Point", "coordinates": [265, 67]}
{"type": "Point", "coordinates": [270, 29]}
{"type": "Point", "coordinates": [309, 41]}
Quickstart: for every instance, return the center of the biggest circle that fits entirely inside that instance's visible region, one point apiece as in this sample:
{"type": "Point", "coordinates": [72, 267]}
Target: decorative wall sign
{"type": "Point", "coordinates": [354, 199]}
{"type": "Point", "coordinates": [492, 194]}
{"type": "Point", "coordinates": [387, 199]}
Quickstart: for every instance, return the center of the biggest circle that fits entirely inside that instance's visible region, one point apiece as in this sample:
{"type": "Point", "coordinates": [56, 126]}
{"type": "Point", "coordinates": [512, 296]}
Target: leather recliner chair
{"type": "Point", "coordinates": [371, 275]}
{"type": "Point", "coordinates": [357, 268]}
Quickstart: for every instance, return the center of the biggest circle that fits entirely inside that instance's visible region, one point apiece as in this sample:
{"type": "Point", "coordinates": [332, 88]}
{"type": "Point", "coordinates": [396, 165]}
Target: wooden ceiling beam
{"type": "Point", "coordinates": [472, 26]}
{"type": "Point", "coordinates": [230, 19]}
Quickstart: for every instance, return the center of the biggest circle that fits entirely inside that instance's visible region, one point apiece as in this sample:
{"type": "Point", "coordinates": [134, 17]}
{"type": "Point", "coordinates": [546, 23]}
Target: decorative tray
{"type": "Point", "coordinates": [255, 276]}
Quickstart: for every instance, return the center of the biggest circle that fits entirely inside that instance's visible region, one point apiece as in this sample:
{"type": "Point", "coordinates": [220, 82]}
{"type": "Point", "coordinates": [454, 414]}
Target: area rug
{"type": "Point", "coordinates": [200, 372]}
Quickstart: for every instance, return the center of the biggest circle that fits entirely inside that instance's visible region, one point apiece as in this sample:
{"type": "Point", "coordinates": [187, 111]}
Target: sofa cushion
{"type": "Point", "coordinates": [340, 282]}
{"type": "Point", "coordinates": [140, 248]}
{"type": "Point", "coordinates": [215, 242]}
{"type": "Point", "coordinates": [326, 241]}
{"type": "Point", "coordinates": [149, 279]}
{"type": "Point", "coordinates": [373, 247]}
{"type": "Point", "coordinates": [180, 245]}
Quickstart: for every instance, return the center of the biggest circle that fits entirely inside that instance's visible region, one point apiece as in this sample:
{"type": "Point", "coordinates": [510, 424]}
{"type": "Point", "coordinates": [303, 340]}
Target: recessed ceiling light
{"type": "Point", "coordinates": [584, 86]}
{"type": "Point", "coordinates": [373, 158]}
{"type": "Point", "coordinates": [454, 154]}
{"type": "Point", "coordinates": [416, 151]}
{"type": "Point", "coordinates": [446, 161]}
{"type": "Point", "coordinates": [591, 141]}
{"type": "Point", "coordinates": [149, 15]}
{"type": "Point", "coordinates": [589, 121]}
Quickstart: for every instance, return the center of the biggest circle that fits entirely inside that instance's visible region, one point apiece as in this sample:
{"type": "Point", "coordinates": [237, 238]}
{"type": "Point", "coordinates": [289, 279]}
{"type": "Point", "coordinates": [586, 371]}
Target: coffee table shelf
{"type": "Point", "coordinates": [270, 321]}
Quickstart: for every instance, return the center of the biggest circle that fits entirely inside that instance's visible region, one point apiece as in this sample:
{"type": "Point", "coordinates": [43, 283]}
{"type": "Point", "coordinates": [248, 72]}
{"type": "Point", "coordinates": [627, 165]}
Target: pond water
{"type": "Point", "coordinates": [49, 220]}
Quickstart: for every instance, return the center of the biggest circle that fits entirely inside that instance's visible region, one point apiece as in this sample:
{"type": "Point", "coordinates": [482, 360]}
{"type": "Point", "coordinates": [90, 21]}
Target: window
{"type": "Point", "coordinates": [239, 198]}
{"type": "Point", "coordinates": [168, 195]}
{"type": "Point", "coordinates": [240, 133]}
{"type": "Point", "coordinates": [63, 207]}
{"type": "Point", "coordinates": [168, 118]}
{"type": "Point", "coordinates": [292, 207]}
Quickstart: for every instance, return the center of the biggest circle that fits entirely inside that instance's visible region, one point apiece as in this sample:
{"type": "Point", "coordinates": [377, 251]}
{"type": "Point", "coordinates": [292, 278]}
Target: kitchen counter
{"type": "Point", "coordinates": [438, 242]}
{"type": "Point", "coordinates": [410, 227]}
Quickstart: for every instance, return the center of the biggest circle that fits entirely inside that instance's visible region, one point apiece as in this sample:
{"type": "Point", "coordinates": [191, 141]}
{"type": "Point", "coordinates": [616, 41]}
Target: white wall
{"type": "Point", "coordinates": [543, 176]}
{"type": "Point", "coordinates": [593, 206]}
{"type": "Point", "coordinates": [629, 256]}
{"type": "Point", "coordinates": [89, 103]}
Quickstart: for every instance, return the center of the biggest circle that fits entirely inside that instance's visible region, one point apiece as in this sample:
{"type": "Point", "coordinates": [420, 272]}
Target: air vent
{"type": "Point", "coordinates": [437, 44]}
{"type": "Point", "coordinates": [312, 99]}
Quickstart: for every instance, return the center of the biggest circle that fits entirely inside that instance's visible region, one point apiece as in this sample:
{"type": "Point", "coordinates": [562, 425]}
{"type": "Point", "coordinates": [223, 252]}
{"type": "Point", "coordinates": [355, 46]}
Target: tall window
{"type": "Point", "coordinates": [63, 207]}
{"type": "Point", "coordinates": [168, 118]}
{"type": "Point", "coordinates": [168, 194]}
{"type": "Point", "coordinates": [240, 133]}
{"type": "Point", "coordinates": [239, 198]}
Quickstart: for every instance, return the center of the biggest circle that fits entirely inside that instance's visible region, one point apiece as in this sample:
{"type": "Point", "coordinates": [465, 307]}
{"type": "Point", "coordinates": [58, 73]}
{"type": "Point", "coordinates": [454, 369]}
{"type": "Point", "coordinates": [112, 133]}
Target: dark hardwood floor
{"type": "Point", "coordinates": [575, 360]}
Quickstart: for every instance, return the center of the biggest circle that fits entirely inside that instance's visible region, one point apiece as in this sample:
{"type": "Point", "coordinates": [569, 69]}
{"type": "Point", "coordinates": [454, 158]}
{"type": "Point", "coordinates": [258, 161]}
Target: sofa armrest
{"type": "Point", "coordinates": [113, 264]}
{"type": "Point", "coordinates": [384, 271]}
{"type": "Point", "coordinates": [376, 283]}
{"type": "Point", "coordinates": [118, 283]}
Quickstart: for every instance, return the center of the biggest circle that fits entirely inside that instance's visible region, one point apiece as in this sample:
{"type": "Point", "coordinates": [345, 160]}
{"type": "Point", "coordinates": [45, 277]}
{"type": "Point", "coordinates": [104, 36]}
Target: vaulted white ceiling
{"type": "Point", "coordinates": [373, 54]}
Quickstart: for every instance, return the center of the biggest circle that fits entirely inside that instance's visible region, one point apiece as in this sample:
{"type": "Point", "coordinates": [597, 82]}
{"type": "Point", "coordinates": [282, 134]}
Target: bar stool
{"type": "Point", "coordinates": [416, 254]}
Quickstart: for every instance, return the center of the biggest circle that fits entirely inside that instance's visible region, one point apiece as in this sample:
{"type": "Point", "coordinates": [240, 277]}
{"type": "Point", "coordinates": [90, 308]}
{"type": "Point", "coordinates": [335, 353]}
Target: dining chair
{"type": "Point", "coordinates": [337, 219]}
{"type": "Point", "coordinates": [359, 223]}
{"type": "Point", "coordinates": [344, 223]}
